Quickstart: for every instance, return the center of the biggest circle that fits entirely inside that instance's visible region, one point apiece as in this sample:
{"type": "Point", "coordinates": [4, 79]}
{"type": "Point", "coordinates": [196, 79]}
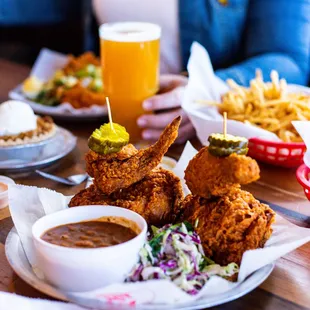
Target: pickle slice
{"type": "Point", "coordinates": [223, 152]}
{"type": "Point", "coordinates": [228, 141]}
{"type": "Point", "coordinates": [106, 141]}
{"type": "Point", "coordinates": [221, 145]}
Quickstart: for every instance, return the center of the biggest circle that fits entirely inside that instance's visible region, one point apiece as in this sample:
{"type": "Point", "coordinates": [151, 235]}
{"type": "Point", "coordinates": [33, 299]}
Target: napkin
{"type": "Point", "coordinates": [27, 204]}
{"type": "Point", "coordinates": [188, 153]}
{"type": "Point", "coordinates": [303, 128]}
{"type": "Point", "coordinates": [203, 84]}
{"type": "Point", "coordinates": [44, 68]}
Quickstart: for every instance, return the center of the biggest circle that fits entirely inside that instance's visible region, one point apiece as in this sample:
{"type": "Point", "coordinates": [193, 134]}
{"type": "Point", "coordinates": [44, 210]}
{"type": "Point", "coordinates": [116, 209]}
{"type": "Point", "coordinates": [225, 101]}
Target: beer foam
{"type": "Point", "coordinates": [129, 32]}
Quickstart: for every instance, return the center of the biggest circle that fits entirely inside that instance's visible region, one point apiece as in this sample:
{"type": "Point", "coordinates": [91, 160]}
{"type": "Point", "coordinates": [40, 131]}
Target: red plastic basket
{"type": "Point", "coordinates": [284, 154]}
{"type": "Point", "coordinates": [303, 177]}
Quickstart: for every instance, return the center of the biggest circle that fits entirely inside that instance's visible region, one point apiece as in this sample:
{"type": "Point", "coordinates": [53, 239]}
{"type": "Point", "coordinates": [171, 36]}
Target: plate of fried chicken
{"type": "Point", "coordinates": [231, 220]}
{"type": "Point", "coordinates": [219, 221]}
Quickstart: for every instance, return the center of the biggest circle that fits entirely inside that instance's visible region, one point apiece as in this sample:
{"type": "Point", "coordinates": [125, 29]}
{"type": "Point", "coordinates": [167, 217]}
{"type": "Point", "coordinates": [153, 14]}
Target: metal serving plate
{"type": "Point", "coordinates": [17, 259]}
{"type": "Point", "coordinates": [27, 157]}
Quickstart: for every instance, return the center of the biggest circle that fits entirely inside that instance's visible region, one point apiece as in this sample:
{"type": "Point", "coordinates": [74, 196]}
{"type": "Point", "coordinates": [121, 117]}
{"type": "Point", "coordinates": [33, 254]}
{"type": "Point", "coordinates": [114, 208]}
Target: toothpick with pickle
{"type": "Point", "coordinates": [109, 138]}
{"type": "Point", "coordinates": [225, 144]}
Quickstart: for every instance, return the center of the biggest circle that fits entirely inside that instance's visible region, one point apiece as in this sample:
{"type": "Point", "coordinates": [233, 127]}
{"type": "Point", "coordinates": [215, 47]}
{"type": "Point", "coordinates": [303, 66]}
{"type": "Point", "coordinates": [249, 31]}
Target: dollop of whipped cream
{"type": "Point", "coordinates": [16, 117]}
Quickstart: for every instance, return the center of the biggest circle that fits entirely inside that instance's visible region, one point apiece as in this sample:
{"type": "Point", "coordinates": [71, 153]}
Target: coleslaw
{"type": "Point", "coordinates": [175, 252]}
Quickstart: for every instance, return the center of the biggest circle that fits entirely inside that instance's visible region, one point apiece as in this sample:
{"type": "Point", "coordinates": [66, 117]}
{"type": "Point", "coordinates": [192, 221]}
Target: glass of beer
{"type": "Point", "coordinates": [130, 69]}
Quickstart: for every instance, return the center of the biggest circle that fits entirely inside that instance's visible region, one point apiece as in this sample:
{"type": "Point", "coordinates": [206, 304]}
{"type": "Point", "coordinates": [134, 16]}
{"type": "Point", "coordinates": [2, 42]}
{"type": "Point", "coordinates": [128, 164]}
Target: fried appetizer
{"type": "Point", "coordinates": [229, 225]}
{"type": "Point", "coordinates": [87, 69]}
{"type": "Point", "coordinates": [76, 64]}
{"type": "Point", "coordinates": [207, 175]}
{"type": "Point", "coordinates": [81, 97]}
{"type": "Point", "coordinates": [78, 83]}
{"type": "Point", "coordinates": [268, 105]}
{"type": "Point", "coordinates": [156, 197]}
{"type": "Point", "coordinates": [112, 173]}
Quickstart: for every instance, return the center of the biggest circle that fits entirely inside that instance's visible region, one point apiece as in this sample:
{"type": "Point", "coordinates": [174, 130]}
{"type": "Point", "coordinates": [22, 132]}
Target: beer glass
{"type": "Point", "coordinates": [130, 66]}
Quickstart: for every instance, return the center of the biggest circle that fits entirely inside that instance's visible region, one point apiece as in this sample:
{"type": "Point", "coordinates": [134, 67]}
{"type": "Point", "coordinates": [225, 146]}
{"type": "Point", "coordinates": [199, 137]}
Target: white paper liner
{"type": "Point", "coordinates": [203, 84]}
{"type": "Point", "coordinates": [303, 128]}
{"type": "Point", "coordinates": [27, 204]}
{"type": "Point", "coordinates": [44, 67]}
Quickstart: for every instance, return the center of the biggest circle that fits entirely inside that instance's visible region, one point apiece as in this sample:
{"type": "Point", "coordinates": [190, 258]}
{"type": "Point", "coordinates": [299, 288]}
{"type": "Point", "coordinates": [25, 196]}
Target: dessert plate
{"type": "Point", "coordinates": [18, 261]}
{"type": "Point", "coordinates": [28, 157]}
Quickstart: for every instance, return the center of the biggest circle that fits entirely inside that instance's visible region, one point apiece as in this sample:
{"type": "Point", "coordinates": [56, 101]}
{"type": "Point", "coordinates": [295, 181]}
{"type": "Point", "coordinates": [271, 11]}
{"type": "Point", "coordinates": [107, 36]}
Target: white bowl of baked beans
{"type": "Point", "coordinates": [88, 247]}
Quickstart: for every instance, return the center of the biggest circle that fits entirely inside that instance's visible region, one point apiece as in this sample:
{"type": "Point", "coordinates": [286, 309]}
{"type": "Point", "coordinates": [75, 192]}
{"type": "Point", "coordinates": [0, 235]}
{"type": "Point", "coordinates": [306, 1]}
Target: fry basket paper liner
{"type": "Point", "coordinates": [28, 204]}
{"type": "Point", "coordinates": [303, 128]}
{"type": "Point", "coordinates": [44, 68]}
{"type": "Point", "coordinates": [203, 84]}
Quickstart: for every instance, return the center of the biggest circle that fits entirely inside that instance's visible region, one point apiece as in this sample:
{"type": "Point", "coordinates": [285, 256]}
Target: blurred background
{"type": "Point", "coordinates": [231, 30]}
{"type": "Point", "coordinates": [67, 26]}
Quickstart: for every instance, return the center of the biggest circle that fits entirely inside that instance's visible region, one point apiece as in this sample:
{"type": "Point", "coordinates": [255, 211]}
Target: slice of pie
{"type": "Point", "coordinates": [19, 125]}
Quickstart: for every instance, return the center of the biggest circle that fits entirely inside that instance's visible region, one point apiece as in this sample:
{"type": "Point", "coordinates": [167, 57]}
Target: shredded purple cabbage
{"type": "Point", "coordinates": [174, 252]}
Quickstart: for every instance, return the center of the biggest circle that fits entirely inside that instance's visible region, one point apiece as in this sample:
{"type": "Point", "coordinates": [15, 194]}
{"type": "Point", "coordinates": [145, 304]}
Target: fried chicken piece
{"type": "Point", "coordinates": [156, 197]}
{"type": "Point", "coordinates": [75, 64]}
{"type": "Point", "coordinates": [112, 173]}
{"type": "Point", "coordinates": [126, 152]}
{"type": "Point", "coordinates": [229, 225]}
{"type": "Point", "coordinates": [207, 175]}
{"type": "Point", "coordinates": [81, 97]}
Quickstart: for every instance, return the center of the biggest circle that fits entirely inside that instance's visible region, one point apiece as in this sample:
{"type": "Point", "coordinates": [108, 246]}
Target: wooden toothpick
{"type": "Point", "coordinates": [109, 113]}
{"type": "Point", "coordinates": [225, 124]}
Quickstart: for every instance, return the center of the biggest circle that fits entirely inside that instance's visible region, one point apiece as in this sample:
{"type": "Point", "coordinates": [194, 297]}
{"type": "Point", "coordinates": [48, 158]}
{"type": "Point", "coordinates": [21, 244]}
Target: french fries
{"type": "Point", "coordinates": [266, 105]}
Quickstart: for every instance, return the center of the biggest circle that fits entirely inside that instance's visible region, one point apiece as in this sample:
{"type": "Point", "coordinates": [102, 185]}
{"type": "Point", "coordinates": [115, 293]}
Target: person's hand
{"type": "Point", "coordinates": [166, 105]}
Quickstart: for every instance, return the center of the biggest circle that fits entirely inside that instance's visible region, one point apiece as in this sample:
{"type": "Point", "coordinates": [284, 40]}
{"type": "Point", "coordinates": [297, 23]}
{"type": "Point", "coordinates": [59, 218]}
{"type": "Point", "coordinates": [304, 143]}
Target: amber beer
{"type": "Point", "coordinates": [130, 65]}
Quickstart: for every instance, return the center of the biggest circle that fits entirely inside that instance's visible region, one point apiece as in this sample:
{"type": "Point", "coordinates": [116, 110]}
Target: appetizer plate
{"type": "Point", "coordinates": [61, 112]}
{"type": "Point", "coordinates": [38, 155]}
{"type": "Point", "coordinates": [18, 261]}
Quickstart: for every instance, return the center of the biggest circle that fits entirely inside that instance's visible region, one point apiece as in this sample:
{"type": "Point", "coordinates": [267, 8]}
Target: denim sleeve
{"type": "Point", "coordinates": [277, 37]}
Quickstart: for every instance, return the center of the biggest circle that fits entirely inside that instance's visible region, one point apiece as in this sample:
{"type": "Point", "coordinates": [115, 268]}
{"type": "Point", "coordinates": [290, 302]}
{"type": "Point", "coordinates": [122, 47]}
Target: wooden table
{"type": "Point", "coordinates": [287, 287]}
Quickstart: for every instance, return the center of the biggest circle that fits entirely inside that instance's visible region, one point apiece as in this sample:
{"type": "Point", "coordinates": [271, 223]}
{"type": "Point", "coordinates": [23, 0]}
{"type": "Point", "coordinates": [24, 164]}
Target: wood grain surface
{"type": "Point", "coordinates": [287, 287]}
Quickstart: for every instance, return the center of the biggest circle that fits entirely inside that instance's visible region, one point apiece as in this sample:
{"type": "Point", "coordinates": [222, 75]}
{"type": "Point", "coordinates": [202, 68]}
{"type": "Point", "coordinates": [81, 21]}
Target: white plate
{"type": "Point", "coordinates": [61, 112]}
{"type": "Point", "coordinates": [43, 155]}
{"type": "Point", "coordinates": [18, 261]}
